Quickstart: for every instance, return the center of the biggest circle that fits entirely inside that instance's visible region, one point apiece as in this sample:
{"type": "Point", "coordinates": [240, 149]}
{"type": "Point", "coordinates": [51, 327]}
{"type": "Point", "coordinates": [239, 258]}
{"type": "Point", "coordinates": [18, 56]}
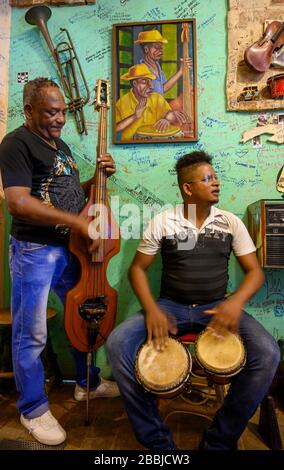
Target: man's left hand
{"type": "Point", "coordinates": [226, 317]}
{"type": "Point", "coordinates": [106, 161]}
{"type": "Point", "coordinates": [188, 62]}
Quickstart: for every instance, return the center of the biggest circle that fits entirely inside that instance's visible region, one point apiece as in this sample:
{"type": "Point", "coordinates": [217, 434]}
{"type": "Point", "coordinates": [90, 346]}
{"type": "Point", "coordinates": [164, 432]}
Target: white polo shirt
{"type": "Point", "coordinates": [195, 261]}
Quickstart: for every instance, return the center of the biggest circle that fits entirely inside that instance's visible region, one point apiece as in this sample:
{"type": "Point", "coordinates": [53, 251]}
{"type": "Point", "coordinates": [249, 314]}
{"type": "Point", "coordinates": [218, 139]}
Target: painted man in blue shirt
{"type": "Point", "coordinates": [152, 46]}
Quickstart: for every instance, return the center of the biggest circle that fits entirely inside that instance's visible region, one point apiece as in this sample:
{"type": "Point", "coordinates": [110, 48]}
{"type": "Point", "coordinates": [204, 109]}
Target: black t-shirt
{"type": "Point", "coordinates": [27, 160]}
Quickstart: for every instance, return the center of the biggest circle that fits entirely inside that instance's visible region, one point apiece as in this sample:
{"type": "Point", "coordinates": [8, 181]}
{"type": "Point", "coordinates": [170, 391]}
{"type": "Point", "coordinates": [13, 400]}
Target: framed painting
{"type": "Point", "coordinates": [154, 82]}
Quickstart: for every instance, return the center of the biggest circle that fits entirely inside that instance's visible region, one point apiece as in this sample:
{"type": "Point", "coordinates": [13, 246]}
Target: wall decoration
{"type": "Point", "coordinates": [69, 69]}
{"type": "Point", "coordinates": [253, 59]}
{"type": "Point", "coordinates": [267, 123]}
{"type": "Point", "coordinates": [22, 77]}
{"type": "Point", "coordinates": [154, 82]}
{"type": "Point", "coordinates": [280, 181]}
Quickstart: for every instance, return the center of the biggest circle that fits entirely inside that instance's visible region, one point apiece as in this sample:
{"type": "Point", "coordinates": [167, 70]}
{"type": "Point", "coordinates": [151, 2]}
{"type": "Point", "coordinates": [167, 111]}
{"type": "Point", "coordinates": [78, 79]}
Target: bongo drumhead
{"type": "Point", "coordinates": [160, 371]}
{"type": "Point", "coordinates": [150, 131]}
{"type": "Point", "coordinates": [220, 356]}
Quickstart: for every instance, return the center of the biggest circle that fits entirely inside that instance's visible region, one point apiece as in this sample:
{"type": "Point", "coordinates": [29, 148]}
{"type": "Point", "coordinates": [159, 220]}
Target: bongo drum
{"type": "Point", "coordinates": [220, 357]}
{"type": "Point", "coordinates": [149, 132]}
{"type": "Point", "coordinates": [164, 373]}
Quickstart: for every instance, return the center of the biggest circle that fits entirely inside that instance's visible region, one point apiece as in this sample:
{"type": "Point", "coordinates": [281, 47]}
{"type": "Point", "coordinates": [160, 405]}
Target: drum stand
{"type": "Point", "coordinates": [92, 312]}
{"type": "Point", "coordinates": [204, 384]}
{"type": "Point", "coordinates": [198, 382]}
{"type": "Point", "coordinates": [202, 379]}
{"type": "Point", "coordinates": [93, 331]}
{"type": "Point", "coordinates": [201, 382]}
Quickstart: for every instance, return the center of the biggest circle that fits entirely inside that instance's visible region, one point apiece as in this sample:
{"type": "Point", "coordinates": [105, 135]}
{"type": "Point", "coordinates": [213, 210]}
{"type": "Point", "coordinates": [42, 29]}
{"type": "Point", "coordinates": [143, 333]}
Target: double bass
{"type": "Point", "coordinates": [90, 306]}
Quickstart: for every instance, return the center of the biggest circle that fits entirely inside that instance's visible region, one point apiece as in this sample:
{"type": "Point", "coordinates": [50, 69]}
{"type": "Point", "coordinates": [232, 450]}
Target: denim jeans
{"type": "Point", "coordinates": [246, 391]}
{"type": "Point", "coordinates": [35, 270]}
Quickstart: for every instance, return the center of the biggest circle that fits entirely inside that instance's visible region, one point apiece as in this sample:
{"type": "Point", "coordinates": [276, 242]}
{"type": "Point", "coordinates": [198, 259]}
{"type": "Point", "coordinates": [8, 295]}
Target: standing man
{"type": "Point", "coordinates": [193, 289]}
{"type": "Point", "coordinates": [44, 196]}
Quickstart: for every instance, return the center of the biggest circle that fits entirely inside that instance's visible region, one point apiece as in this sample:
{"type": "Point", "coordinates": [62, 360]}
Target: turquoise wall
{"type": "Point", "coordinates": [247, 174]}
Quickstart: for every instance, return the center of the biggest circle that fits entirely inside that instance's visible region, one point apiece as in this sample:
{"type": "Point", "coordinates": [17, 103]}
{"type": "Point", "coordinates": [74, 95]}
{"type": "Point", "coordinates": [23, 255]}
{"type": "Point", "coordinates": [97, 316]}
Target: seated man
{"type": "Point", "coordinates": [193, 289]}
{"type": "Point", "coordinates": [141, 106]}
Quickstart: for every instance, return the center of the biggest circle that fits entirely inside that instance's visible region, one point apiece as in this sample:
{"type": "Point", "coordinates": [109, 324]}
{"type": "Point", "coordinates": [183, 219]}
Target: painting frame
{"type": "Point", "coordinates": [150, 106]}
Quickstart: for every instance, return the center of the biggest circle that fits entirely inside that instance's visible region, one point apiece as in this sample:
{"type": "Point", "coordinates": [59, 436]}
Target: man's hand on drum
{"type": "Point", "coordinates": [171, 117]}
{"type": "Point", "coordinates": [159, 323]}
{"type": "Point", "coordinates": [226, 317]}
{"type": "Point", "coordinates": [176, 117]}
{"type": "Point", "coordinates": [162, 125]}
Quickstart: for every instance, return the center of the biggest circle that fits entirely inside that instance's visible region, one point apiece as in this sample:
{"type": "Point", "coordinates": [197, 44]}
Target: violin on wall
{"type": "Point", "coordinates": [90, 306]}
{"type": "Point", "coordinates": [258, 56]}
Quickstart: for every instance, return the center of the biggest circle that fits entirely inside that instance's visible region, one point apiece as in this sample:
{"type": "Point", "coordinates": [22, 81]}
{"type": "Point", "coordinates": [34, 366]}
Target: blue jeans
{"type": "Point", "coordinates": [246, 392]}
{"type": "Point", "coordinates": [35, 270]}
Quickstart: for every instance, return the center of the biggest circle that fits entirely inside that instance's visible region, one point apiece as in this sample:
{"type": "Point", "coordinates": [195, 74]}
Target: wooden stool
{"type": "Point", "coordinates": [6, 319]}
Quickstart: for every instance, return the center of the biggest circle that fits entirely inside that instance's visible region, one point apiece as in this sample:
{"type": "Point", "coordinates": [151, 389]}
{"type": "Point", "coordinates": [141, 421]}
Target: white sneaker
{"type": "Point", "coordinates": [106, 389]}
{"type": "Point", "coordinates": [45, 429]}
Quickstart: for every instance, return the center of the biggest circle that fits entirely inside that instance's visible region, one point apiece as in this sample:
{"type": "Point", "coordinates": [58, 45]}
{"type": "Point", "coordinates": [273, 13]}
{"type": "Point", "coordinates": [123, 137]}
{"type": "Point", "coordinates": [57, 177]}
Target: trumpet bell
{"type": "Point", "coordinates": [34, 14]}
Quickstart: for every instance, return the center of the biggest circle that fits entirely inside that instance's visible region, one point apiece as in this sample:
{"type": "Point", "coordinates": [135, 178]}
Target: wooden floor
{"type": "Point", "coordinates": [110, 429]}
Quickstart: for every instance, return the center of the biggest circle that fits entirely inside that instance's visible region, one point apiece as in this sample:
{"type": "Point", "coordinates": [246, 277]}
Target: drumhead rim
{"type": "Point", "coordinates": [149, 131]}
{"type": "Point", "coordinates": [229, 371]}
{"type": "Point", "coordinates": [151, 387]}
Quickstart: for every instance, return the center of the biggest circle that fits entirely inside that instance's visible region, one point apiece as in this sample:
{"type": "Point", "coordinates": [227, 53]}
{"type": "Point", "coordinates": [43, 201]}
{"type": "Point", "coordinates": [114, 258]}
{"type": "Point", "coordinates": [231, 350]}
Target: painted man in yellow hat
{"type": "Point", "coordinates": [143, 107]}
{"type": "Point", "coordinates": [152, 46]}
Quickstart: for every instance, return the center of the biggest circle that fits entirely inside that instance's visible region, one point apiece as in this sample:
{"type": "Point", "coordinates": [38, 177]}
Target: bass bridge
{"type": "Point", "coordinates": [92, 310]}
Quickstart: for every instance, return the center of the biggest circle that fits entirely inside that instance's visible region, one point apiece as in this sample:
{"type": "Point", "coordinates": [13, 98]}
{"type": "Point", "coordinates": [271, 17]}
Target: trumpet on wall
{"type": "Point", "coordinates": [67, 63]}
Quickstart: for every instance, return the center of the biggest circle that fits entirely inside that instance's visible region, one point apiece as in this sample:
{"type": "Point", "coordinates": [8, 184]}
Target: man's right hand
{"type": "Point", "coordinates": [140, 107]}
{"type": "Point", "coordinates": [159, 323]}
{"type": "Point", "coordinates": [82, 228]}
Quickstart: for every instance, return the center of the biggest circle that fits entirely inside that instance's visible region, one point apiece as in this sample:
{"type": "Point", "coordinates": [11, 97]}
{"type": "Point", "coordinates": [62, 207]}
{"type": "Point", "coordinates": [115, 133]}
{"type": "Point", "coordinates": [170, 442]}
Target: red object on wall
{"type": "Point", "coordinates": [276, 85]}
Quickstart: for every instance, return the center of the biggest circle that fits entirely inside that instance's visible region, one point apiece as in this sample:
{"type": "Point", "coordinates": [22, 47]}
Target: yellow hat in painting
{"type": "Point", "coordinates": [150, 36]}
{"type": "Point", "coordinates": [138, 71]}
